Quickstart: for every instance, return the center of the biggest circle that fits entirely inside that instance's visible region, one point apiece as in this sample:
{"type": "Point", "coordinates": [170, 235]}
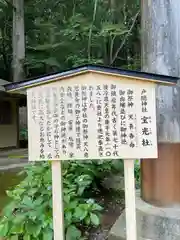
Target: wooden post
{"type": "Point", "coordinates": [161, 54]}
{"type": "Point", "coordinates": [131, 232]}
{"type": "Point", "coordinates": [57, 192]}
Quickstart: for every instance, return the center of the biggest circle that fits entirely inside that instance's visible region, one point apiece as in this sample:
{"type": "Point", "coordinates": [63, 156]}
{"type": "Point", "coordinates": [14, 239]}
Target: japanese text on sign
{"type": "Point", "coordinates": [92, 121]}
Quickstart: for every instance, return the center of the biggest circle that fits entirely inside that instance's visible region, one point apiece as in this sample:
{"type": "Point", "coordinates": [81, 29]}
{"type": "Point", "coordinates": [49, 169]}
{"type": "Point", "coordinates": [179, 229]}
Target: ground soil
{"type": "Point", "coordinates": [113, 204]}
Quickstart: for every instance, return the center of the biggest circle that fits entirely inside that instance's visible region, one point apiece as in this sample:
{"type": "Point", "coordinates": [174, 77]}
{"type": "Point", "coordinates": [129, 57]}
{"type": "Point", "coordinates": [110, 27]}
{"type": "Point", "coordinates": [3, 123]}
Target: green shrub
{"type": "Point", "coordinates": [137, 173]}
{"type": "Point", "coordinates": [29, 215]}
{"type": "Point", "coordinates": [23, 133]}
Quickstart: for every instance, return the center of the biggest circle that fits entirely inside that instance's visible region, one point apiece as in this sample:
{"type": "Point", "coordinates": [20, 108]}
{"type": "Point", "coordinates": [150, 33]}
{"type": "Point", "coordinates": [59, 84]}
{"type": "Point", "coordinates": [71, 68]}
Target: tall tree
{"type": "Point", "coordinates": [18, 40]}
{"type": "Point", "coordinates": [161, 54]}
{"type": "Point", "coordinates": [63, 34]}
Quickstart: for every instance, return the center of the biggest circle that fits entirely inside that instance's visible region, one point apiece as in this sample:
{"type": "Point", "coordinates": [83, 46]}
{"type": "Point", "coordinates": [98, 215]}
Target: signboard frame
{"type": "Point", "coordinates": [120, 129]}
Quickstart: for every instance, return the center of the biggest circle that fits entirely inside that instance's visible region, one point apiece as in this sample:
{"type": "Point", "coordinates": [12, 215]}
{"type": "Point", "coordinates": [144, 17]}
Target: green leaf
{"type": "Point", "coordinates": [33, 191]}
{"type": "Point", "coordinates": [90, 201]}
{"type": "Point", "coordinates": [33, 228]}
{"type": "Point", "coordinates": [7, 211]}
{"type": "Point", "coordinates": [17, 228]}
{"type": "Point", "coordinates": [48, 235]}
{"type": "Point", "coordinates": [68, 217]}
{"type": "Point", "coordinates": [33, 215]}
{"type": "Point", "coordinates": [94, 219]}
{"type": "Point", "coordinates": [87, 220]}
{"type": "Point", "coordinates": [81, 190]}
{"type": "Point", "coordinates": [4, 228]}
{"type": "Point", "coordinates": [19, 217]}
{"type": "Point", "coordinates": [85, 206]}
{"type": "Point", "coordinates": [73, 204]}
{"type": "Point", "coordinates": [97, 207]}
{"type": "Point", "coordinates": [66, 198]}
{"type": "Point", "coordinates": [73, 233]}
{"type": "Point", "coordinates": [28, 201]}
{"type": "Point", "coordinates": [14, 237]}
{"type": "Point", "coordinates": [38, 201]}
{"type": "Point", "coordinates": [27, 237]}
{"type": "Point", "coordinates": [118, 165]}
{"type": "Point", "coordinates": [47, 177]}
{"type": "Point", "coordinates": [80, 213]}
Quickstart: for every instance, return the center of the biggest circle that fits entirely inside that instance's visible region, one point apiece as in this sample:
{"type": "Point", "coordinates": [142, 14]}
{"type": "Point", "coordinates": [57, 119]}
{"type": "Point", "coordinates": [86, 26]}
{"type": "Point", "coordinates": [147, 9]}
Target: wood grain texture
{"type": "Point", "coordinates": [161, 177]}
{"type": "Point", "coordinates": [130, 210]}
{"type": "Point", "coordinates": [161, 54]}
{"type": "Point", "coordinates": [57, 197]}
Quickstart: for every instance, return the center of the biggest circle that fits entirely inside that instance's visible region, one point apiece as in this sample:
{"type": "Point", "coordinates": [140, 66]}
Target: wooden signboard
{"type": "Point", "coordinates": [92, 112]}
{"type": "Point", "coordinates": [92, 117]}
{"type": "Point", "coordinates": [88, 119]}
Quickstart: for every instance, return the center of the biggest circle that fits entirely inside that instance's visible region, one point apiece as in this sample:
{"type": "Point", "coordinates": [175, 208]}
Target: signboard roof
{"type": "Point", "coordinates": [2, 83]}
{"type": "Point", "coordinates": [28, 83]}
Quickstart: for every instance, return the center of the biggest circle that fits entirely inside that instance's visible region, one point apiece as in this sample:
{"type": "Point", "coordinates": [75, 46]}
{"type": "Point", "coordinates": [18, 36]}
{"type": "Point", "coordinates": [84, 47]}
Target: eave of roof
{"type": "Point", "coordinates": [2, 83]}
{"type": "Point", "coordinates": [91, 68]}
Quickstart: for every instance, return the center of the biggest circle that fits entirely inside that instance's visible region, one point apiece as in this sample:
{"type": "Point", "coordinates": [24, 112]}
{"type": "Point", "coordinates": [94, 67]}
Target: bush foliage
{"type": "Point", "coordinates": [29, 214]}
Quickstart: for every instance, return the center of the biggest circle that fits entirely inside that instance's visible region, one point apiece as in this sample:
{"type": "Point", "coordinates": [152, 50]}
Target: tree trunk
{"type": "Point", "coordinates": [18, 40]}
{"type": "Point", "coordinates": [18, 43]}
{"type": "Point", "coordinates": [161, 54]}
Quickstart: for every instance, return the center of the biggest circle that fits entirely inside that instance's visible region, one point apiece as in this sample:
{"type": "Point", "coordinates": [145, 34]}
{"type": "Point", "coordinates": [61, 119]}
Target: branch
{"type": "Point", "coordinates": [90, 30]}
{"type": "Point", "coordinates": [124, 10]}
{"type": "Point", "coordinates": [74, 7]}
{"type": "Point", "coordinates": [9, 3]}
{"type": "Point", "coordinates": [112, 47]}
{"type": "Point", "coordinates": [125, 38]}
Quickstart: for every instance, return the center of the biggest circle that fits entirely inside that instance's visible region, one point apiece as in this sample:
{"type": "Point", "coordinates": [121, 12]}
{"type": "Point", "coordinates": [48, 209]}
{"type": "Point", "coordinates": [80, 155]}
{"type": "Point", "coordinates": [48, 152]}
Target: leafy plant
{"type": "Point", "coordinates": [24, 133]}
{"type": "Point", "coordinates": [137, 173]}
{"type": "Point", "coordinates": [29, 215]}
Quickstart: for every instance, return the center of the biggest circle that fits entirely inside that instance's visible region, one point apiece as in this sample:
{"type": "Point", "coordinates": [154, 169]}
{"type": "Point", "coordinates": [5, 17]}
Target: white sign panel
{"type": "Point", "coordinates": [98, 119]}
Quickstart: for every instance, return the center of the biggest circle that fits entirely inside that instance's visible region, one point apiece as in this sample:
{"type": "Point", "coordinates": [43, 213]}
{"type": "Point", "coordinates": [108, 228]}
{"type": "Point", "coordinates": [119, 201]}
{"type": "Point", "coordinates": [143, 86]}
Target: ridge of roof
{"type": "Point", "coordinates": [90, 67]}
